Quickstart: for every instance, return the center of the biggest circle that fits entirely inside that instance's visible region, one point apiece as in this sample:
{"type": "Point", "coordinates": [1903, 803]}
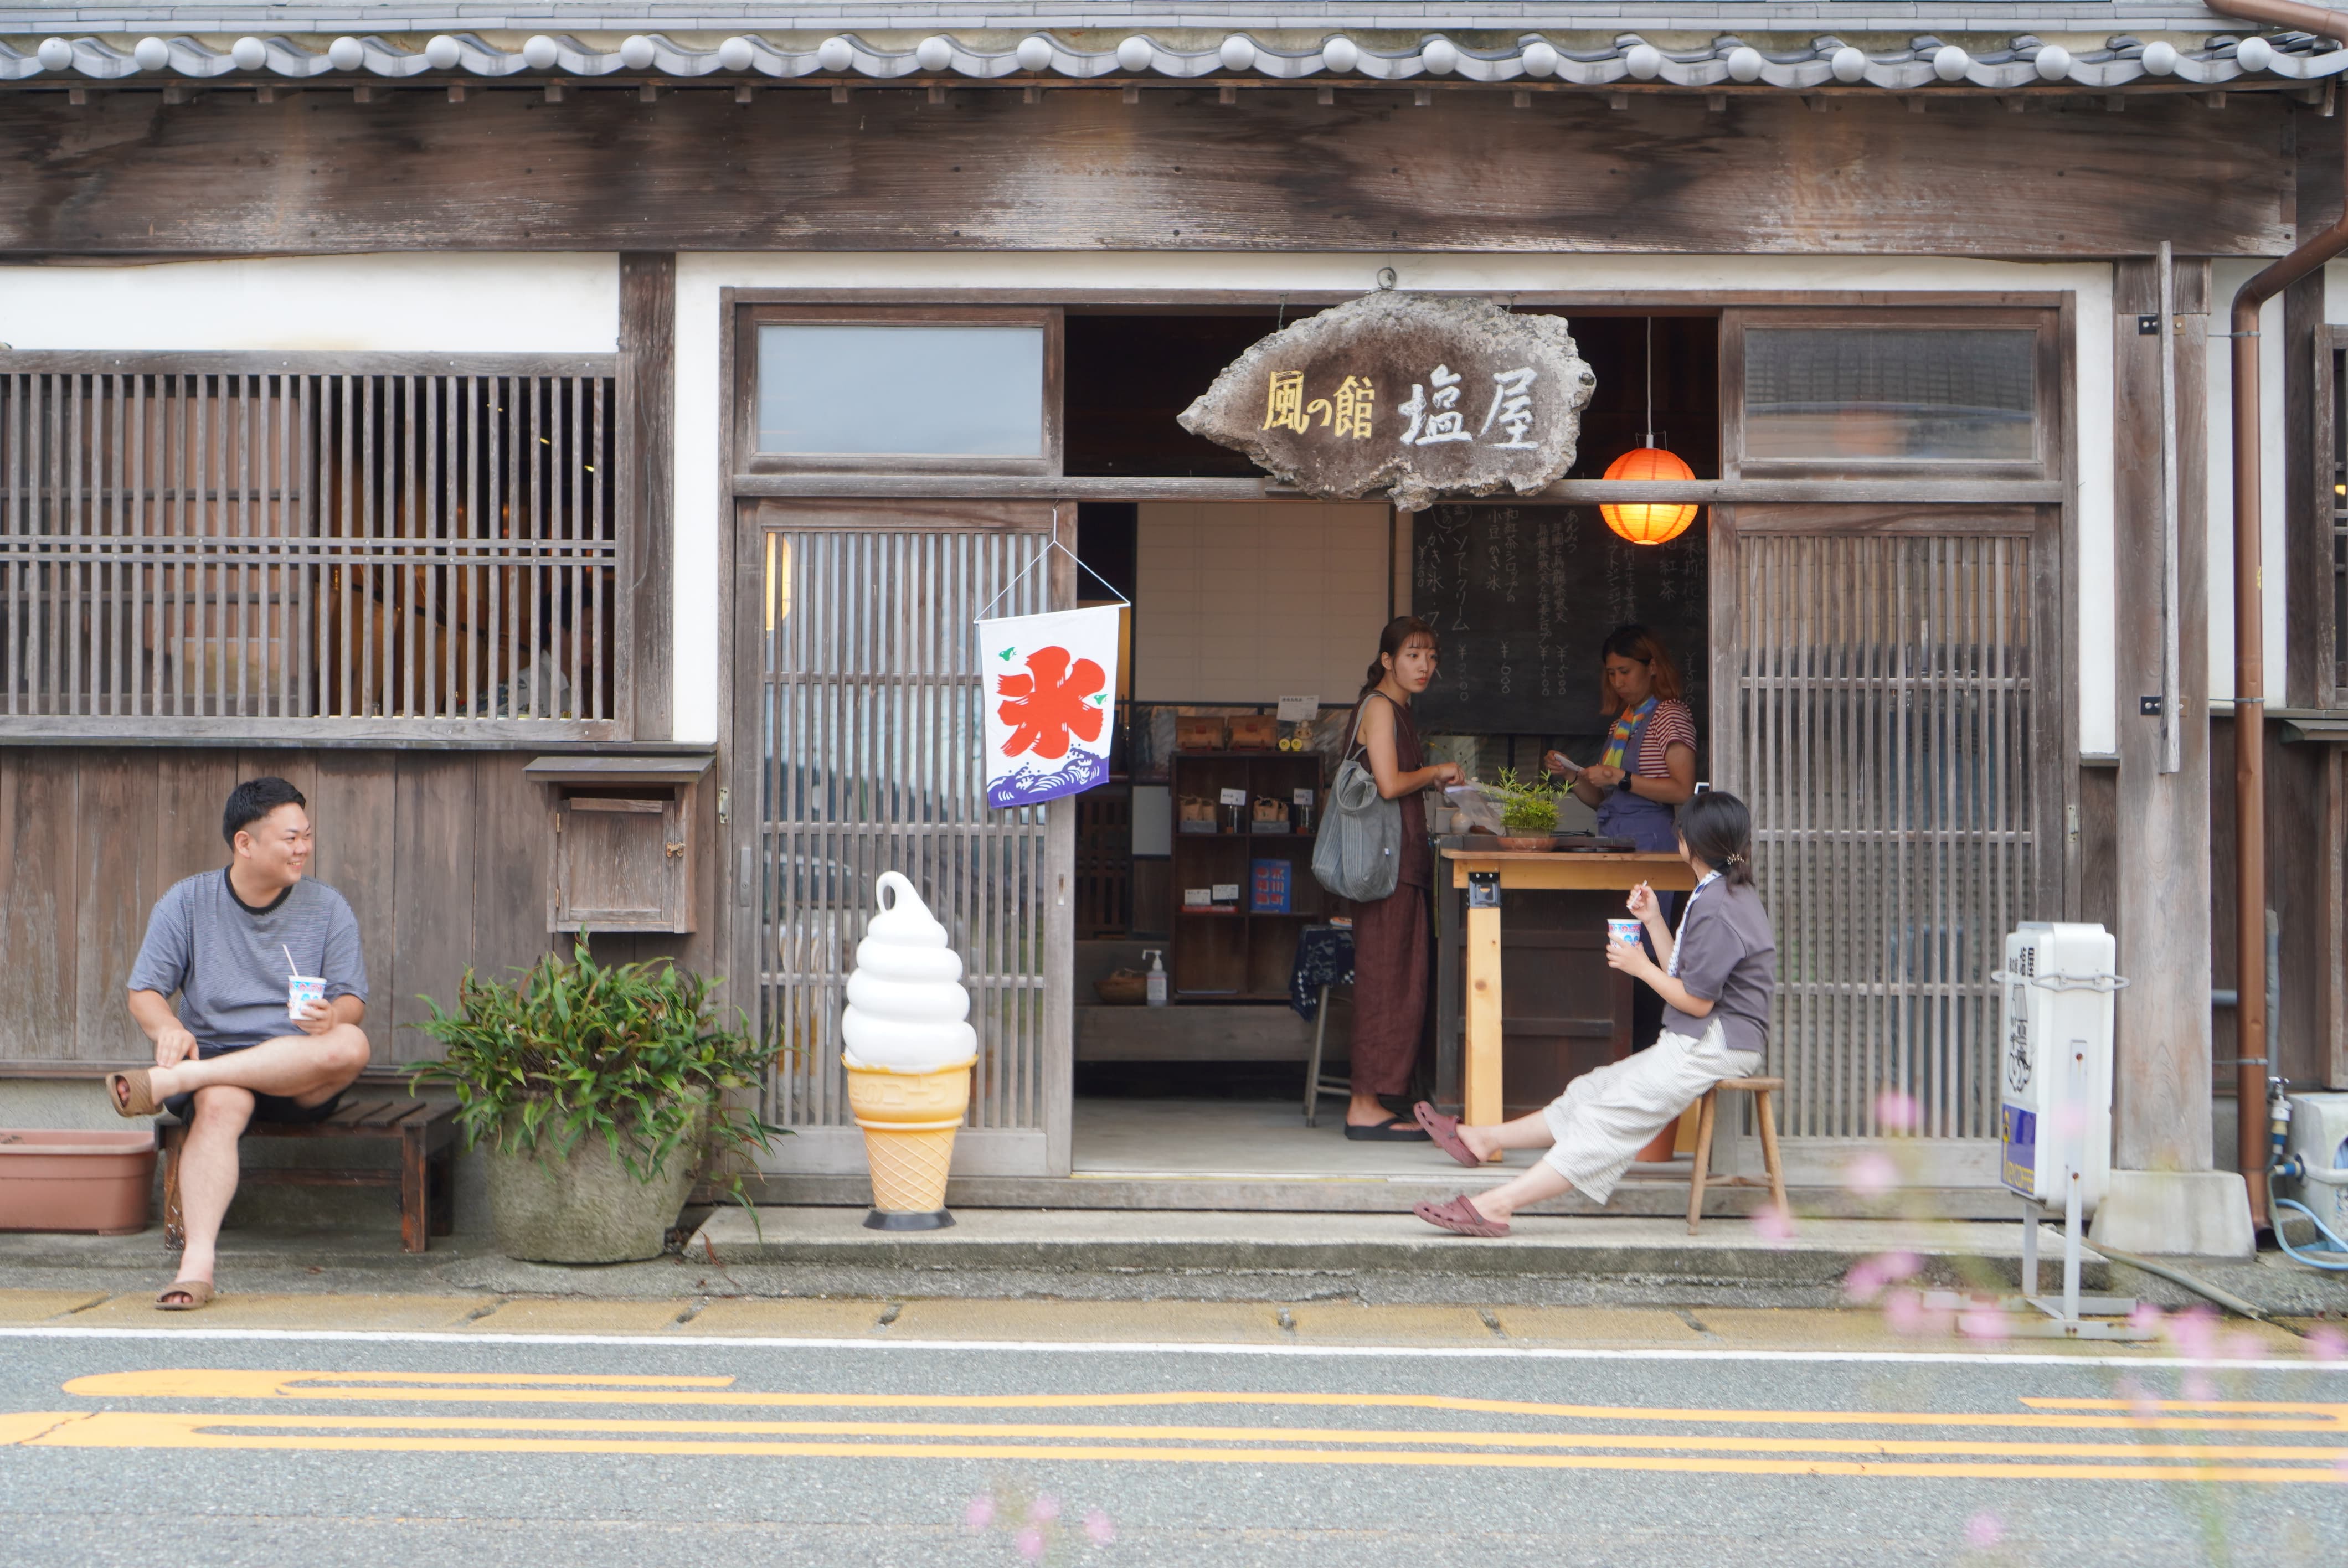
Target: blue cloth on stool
{"type": "Point", "coordinates": [1324, 957]}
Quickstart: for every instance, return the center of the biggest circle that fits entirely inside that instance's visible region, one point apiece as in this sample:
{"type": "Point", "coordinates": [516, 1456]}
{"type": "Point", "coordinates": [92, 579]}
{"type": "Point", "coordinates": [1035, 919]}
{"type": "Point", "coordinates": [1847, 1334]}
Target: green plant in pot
{"type": "Point", "coordinates": [1528, 810]}
{"type": "Point", "coordinates": [600, 1093]}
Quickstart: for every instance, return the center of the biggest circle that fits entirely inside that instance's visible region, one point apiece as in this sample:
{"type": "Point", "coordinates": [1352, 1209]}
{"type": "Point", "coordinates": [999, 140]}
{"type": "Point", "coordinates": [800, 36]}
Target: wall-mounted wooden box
{"type": "Point", "coordinates": [623, 841]}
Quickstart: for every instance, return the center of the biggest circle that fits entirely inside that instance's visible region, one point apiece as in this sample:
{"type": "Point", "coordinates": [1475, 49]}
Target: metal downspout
{"type": "Point", "coordinates": [2251, 1023]}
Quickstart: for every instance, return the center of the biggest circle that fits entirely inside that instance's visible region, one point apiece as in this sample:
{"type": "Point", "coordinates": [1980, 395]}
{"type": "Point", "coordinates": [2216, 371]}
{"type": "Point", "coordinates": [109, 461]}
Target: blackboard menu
{"type": "Point", "coordinates": [1524, 595]}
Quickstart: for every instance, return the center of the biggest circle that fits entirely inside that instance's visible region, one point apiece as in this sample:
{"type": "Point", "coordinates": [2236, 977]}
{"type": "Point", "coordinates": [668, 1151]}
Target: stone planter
{"type": "Point", "coordinates": [586, 1207]}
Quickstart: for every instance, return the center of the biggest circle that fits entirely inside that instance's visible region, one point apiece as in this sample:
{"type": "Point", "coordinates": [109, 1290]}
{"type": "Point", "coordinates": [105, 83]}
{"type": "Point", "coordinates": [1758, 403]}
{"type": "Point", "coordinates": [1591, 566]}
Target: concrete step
{"type": "Point", "coordinates": [1819, 1253]}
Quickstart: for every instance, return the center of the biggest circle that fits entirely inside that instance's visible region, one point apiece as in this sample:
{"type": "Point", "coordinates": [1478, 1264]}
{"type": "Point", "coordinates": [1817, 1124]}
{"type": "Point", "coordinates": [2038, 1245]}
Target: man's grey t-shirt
{"type": "Point", "coordinates": [227, 960]}
{"type": "Point", "coordinates": [1727, 955]}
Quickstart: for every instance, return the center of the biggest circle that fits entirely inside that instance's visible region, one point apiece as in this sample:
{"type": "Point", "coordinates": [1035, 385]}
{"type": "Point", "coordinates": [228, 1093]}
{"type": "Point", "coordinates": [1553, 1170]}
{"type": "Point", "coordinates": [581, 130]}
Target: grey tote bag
{"type": "Point", "coordinates": [1358, 854]}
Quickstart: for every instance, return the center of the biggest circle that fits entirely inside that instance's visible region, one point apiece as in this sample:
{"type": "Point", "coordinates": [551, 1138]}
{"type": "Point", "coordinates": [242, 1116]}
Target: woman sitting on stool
{"type": "Point", "coordinates": [1716, 980]}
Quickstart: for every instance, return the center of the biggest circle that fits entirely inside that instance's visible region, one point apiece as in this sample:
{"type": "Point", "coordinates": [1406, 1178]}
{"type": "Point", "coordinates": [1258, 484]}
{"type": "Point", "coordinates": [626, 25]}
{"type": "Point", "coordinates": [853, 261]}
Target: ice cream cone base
{"type": "Point", "coordinates": [908, 1122]}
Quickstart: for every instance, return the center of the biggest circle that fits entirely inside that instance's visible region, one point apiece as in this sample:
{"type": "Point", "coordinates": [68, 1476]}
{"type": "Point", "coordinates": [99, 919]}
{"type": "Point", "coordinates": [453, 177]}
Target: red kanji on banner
{"type": "Point", "coordinates": [1051, 703]}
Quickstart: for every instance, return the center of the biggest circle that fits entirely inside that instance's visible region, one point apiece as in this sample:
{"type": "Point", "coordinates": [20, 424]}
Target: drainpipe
{"type": "Point", "coordinates": [2251, 1023]}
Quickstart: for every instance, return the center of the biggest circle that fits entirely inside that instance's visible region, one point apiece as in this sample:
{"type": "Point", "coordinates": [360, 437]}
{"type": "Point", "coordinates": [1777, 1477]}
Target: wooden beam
{"type": "Point", "coordinates": [647, 464]}
{"type": "Point", "coordinates": [1082, 172]}
{"type": "Point", "coordinates": [1703, 492]}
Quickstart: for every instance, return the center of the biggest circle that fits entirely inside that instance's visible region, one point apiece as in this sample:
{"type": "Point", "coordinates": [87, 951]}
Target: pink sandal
{"type": "Point", "coordinates": [1444, 1131]}
{"type": "Point", "coordinates": [1460, 1217]}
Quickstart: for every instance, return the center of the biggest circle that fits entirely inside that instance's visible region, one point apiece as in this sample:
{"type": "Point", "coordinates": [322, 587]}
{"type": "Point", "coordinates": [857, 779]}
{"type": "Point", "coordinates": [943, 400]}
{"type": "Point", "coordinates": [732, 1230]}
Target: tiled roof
{"type": "Point", "coordinates": [1848, 43]}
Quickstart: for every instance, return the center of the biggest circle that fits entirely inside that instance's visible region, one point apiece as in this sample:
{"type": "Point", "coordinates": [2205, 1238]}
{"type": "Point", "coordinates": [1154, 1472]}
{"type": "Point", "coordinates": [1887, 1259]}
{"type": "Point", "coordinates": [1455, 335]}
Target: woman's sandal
{"type": "Point", "coordinates": [1444, 1131]}
{"type": "Point", "coordinates": [132, 1094]}
{"type": "Point", "coordinates": [199, 1294]}
{"type": "Point", "coordinates": [1393, 1129]}
{"type": "Point", "coordinates": [1460, 1217]}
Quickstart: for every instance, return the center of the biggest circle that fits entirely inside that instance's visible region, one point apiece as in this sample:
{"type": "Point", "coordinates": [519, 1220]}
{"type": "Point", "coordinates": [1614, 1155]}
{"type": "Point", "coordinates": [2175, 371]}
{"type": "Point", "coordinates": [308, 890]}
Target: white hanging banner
{"type": "Point", "coordinates": [1050, 702]}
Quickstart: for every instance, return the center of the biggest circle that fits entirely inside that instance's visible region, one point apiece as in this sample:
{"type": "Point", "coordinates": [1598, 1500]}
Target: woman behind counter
{"type": "Point", "coordinates": [1648, 767]}
{"type": "Point", "coordinates": [1392, 937]}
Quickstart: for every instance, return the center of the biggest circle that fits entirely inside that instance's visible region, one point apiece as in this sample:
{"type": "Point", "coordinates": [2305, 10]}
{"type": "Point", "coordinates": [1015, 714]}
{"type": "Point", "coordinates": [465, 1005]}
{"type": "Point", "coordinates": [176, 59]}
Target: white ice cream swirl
{"type": "Point", "coordinates": [907, 1011]}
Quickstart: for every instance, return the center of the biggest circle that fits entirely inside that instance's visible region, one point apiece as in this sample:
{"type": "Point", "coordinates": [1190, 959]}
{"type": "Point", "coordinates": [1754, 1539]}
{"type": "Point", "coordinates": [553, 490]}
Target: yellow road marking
{"type": "Point", "coordinates": [1368, 1436]}
{"type": "Point", "coordinates": [2287, 1417]}
{"type": "Point", "coordinates": [117, 1430]}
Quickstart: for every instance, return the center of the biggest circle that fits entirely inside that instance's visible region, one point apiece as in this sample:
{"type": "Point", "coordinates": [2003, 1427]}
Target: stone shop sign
{"type": "Point", "coordinates": [1414, 395]}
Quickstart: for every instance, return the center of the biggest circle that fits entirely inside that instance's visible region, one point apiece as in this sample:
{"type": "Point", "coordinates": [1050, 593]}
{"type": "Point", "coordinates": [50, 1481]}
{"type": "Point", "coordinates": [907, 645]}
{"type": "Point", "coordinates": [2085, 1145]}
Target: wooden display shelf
{"type": "Point", "coordinates": [1235, 953]}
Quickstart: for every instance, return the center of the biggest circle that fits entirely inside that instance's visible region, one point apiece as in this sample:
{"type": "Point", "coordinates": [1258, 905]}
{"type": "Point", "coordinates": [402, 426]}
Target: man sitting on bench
{"type": "Point", "coordinates": [231, 943]}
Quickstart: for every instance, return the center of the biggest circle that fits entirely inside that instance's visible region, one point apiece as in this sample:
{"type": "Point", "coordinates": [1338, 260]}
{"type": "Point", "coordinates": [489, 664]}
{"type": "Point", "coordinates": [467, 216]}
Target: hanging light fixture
{"type": "Point", "coordinates": [1649, 522]}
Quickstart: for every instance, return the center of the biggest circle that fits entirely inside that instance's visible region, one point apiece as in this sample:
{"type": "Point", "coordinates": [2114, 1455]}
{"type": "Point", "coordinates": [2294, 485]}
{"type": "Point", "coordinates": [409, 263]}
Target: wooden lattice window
{"type": "Point", "coordinates": [310, 545]}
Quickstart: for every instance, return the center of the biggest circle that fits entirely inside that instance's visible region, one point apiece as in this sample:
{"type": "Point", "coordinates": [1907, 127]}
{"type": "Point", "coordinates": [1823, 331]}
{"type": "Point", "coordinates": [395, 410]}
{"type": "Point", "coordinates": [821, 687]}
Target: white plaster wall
{"type": "Point", "coordinates": [412, 302]}
{"type": "Point", "coordinates": [700, 455]}
{"type": "Point", "coordinates": [2225, 277]}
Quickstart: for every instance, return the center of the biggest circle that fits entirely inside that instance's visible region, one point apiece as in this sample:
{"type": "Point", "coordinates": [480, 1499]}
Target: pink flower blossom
{"type": "Point", "coordinates": [1097, 1527]}
{"type": "Point", "coordinates": [1983, 1321]}
{"type": "Point", "coordinates": [1904, 1311]}
{"type": "Point", "coordinates": [1029, 1544]}
{"type": "Point", "coordinates": [1872, 1175]}
{"type": "Point", "coordinates": [980, 1513]}
{"type": "Point", "coordinates": [2194, 1333]}
{"type": "Point", "coordinates": [2070, 1119]}
{"type": "Point", "coordinates": [1897, 1110]}
{"type": "Point", "coordinates": [2145, 1318]}
{"type": "Point", "coordinates": [1044, 1509]}
{"type": "Point", "coordinates": [2241, 1346]}
{"type": "Point", "coordinates": [1984, 1530]}
{"type": "Point", "coordinates": [1772, 1225]}
{"type": "Point", "coordinates": [2325, 1343]}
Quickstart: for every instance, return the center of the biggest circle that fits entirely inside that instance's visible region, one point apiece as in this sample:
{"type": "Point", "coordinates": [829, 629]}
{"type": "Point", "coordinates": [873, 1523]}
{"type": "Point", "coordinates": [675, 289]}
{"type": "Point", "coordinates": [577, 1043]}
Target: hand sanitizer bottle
{"type": "Point", "coordinates": [1155, 994]}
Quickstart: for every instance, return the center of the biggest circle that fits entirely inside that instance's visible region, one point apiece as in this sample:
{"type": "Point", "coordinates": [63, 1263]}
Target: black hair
{"type": "Point", "coordinates": [1718, 831]}
{"type": "Point", "coordinates": [1392, 641]}
{"type": "Point", "coordinates": [253, 799]}
{"type": "Point", "coordinates": [1635, 643]}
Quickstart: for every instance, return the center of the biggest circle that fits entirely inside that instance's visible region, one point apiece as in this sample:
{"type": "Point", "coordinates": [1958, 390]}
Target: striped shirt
{"type": "Point", "coordinates": [1671, 724]}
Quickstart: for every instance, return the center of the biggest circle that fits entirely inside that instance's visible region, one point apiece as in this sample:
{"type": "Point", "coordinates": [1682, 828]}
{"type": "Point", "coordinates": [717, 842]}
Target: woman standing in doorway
{"type": "Point", "coordinates": [1392, 937]}
{"type": "Point", "coordinates": [1647, 769]}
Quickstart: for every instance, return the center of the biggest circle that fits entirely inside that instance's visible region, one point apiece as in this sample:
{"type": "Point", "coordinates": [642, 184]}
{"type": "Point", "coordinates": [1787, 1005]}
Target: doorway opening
{"type": "Point", "coordinates": [1251, 629]}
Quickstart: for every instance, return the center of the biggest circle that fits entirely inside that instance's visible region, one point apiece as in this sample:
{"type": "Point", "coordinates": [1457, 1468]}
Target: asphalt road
{"type": "Point", "coordinates": [428, 1450]}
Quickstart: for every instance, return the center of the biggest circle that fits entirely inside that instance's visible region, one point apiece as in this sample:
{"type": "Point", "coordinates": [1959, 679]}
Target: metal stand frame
{"type": "Point", "coordinates": [1316, 1084]}
{"type": "Point", "coordinates": [2064, 1319]}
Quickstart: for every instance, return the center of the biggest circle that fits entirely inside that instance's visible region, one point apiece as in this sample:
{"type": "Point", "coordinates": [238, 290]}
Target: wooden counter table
{"type": "Point", "coordinates": [1472, 1069]}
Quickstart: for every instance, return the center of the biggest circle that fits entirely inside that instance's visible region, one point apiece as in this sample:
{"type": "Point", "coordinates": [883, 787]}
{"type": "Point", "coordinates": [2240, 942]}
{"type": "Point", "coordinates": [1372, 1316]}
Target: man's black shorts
{"type": "Point", "coordinates": [265, 1107]}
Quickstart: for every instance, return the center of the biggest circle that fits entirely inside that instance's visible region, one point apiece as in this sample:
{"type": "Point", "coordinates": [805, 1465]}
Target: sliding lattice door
{"type": "Point", "coordinates": [1889, 708]}
{"type": "Point", "coordinates": [866, 718]}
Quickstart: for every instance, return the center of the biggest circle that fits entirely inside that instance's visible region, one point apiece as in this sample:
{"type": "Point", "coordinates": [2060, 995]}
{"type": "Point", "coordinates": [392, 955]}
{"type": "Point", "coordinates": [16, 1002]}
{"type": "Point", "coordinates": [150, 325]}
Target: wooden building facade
{"type": "Point", "coordinates": [390, 412]}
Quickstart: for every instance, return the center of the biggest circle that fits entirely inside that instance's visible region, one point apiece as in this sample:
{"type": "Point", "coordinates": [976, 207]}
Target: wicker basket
{"type": "Point", "coordinates": [1125, 988]}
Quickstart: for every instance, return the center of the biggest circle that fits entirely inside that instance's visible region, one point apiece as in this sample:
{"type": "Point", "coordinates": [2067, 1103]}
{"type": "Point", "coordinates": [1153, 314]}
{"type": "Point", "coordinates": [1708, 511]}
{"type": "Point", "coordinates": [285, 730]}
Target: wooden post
{"type": "Point", "coordinates": [1479, 1079]}
{"type": "Point", "coordinates": [2161, 1074]}
{"type": "Point", "coordinates": [647, 466]}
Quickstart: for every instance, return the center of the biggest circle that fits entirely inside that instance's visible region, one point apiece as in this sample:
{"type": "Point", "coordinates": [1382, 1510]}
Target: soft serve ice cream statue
{"type": "Point", "coordinates": [907, 1011]}
{"type": "Point", "coordinates": [909, 1051]}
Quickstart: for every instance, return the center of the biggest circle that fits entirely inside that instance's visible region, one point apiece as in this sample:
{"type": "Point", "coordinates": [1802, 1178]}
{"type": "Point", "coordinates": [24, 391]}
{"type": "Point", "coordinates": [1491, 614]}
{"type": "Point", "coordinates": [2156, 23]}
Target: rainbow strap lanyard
{"type": "Point", "coordinates": [1618, 738]}
{"type": "Point", "coordinates": [1673, 968]}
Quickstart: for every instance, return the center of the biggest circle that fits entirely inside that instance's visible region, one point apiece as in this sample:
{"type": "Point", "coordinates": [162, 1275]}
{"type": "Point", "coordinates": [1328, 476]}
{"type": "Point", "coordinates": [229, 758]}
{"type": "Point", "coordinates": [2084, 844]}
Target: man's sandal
{"type": "Point", "coordinates": [199, 1294]}
{"type": "Point", "coordinates": [131, 1093]}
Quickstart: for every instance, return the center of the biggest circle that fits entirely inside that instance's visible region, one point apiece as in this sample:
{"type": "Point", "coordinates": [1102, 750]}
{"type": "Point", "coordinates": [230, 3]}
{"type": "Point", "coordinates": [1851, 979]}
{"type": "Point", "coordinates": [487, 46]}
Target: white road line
{"type": "Point", "coordinates": [701, 1344]}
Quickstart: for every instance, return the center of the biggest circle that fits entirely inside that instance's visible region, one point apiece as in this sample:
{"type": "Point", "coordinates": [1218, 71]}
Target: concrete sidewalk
{"type": "Point", "coordinates": [1157, 1256]}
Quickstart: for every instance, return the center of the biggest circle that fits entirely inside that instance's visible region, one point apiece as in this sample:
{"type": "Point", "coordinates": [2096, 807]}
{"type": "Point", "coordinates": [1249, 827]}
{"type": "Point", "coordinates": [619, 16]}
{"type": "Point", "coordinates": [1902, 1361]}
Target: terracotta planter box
{"type": "Point", "coordinates": [63, 1181]}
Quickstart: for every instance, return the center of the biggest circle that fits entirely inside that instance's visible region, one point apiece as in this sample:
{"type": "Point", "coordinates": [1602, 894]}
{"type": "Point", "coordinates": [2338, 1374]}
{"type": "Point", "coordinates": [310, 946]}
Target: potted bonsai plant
{"type": "Point", "coordinates": [1527, 813]}
{"type": "Point", "coordinates": [600, 1091]}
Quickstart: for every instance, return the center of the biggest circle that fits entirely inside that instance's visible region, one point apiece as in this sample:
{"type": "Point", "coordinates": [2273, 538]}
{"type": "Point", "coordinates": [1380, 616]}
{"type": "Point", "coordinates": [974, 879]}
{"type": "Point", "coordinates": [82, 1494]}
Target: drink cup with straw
{"type": "Point", "coordinates": [301, 991]}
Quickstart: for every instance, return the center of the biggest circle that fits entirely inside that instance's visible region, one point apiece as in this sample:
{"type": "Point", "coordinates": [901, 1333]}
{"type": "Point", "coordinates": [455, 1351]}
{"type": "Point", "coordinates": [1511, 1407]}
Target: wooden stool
{"type": "Point", "coordinates": [426, 1132]}
{"type": "Point", "coordinates": [1760, 1089]}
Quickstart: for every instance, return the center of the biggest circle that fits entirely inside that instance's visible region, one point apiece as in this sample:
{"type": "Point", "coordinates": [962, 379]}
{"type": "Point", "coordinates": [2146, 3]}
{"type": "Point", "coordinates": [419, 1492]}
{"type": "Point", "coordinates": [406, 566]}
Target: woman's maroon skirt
{"type": "Point", "coordinates": [1390, 941]}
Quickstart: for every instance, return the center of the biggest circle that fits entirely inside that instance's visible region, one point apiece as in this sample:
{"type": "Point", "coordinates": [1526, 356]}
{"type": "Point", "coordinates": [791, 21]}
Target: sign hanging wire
{"type": "Point", "coordinates": [1043, 556]}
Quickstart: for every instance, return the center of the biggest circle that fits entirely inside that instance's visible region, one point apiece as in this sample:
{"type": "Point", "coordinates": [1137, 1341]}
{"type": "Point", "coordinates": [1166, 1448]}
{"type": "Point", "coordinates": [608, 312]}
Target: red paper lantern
{"type": "Point", "coordinates": [1644, 522]}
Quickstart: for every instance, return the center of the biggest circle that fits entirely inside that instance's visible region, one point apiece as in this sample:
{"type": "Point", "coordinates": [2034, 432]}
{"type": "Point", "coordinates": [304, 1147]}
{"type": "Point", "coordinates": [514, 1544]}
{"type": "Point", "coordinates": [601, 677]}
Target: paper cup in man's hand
{"type": "Point", "coordinates": [302, 993]}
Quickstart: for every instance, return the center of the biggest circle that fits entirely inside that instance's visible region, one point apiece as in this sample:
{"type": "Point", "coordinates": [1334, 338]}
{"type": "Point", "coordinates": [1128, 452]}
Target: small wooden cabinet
{"type": "Point", "coordinates": [623, 841]}
{"type": "Point", "coordinates": [1243, 949]}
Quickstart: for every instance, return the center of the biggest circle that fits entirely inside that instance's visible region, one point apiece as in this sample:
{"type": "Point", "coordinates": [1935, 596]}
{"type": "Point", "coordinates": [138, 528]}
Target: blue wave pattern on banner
{"type": "Point", "coordinates": [1079, 773]}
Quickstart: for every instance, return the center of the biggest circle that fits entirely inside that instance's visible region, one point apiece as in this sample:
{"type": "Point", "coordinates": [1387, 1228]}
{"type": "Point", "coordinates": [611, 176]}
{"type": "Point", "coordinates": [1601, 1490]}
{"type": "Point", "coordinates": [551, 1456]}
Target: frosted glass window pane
{"type": "Point", "coordinates": [909, 391]}
{"type": "Point", "coordinates": [1907, 395]}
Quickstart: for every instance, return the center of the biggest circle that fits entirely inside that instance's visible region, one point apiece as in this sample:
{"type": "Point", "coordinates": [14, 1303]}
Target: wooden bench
{"type": "Point", "coordinates": [426, 1131]}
